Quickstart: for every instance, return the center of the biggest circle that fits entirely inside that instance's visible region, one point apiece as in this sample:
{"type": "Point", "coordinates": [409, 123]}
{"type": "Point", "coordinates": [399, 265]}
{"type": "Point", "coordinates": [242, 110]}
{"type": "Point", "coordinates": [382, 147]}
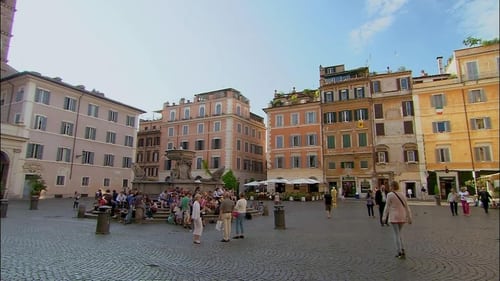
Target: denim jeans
{"type": "Point", "coordinates": [239, 223]}
{"type": "Point", "coordinates": [398, 239]}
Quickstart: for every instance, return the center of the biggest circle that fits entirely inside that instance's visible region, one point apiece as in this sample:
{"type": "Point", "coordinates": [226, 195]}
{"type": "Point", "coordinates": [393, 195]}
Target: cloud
{"type": "Point", "coordinates": [382, 15]}
{"type": "Point", "coordinates": [477, 18]}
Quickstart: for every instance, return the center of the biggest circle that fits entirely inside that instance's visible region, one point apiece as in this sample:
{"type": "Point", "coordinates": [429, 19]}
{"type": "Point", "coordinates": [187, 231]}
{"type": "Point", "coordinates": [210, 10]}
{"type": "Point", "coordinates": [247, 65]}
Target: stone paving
{"type": "Point", "coordinates": [52, 244]}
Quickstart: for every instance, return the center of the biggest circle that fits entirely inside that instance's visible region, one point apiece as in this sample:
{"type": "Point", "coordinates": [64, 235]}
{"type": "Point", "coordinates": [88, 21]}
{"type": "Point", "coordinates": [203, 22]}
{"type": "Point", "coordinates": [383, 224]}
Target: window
{"type": "Point", "coordinates": [360, 92]}
{"type": "Point", "coordinates": [238, 110]}
{"type": "Point", "coordinates": [312, 161]}
{"type": "Point", "coordinates": [330, 117]}
{"type": "Point", "coordinates": [17, 118]}
{"type": "Point", "coordinates": [111, 137]}
{"type": "Point", "coordinates": [347, 165]}
{"type": "Point", "coordinates": [129, 141]}
{"type": "Point", "coordinates": [311, 117]}
{"type": "Point", "coordinates": [126, 162]}
{"type": "Point", "coordinates": [346, 141]}
{"type": "Point", "coordinates": [217, 126]}
{"type": "Point", "coordinates": [312, 139]}
{"type": "Point", "coordinates": [280, 142]}
{"type": "Point", "coordinates": [199, 145]}
{"type": "Point", "coordinates": [69, 104]}
{"type": "Point", "coordinates": [185, 130]}
{"type": "Point", "coordinates": [482, 153]}
{"type": "Point", "coordinates": [67, 128]}
{"type": "Point", "coordinates": [106, 182]}
{"type": "Point", "coordinates": [215, 162]}
{"type": "Point", "coordinates": [109, 160]}
{"type": "Point", "coordinates": [140, 157]}
{"type": "Point", "coordinates": [170, 146]}
{"type": "Point", "coordinates": [238, 145]}
{"type": "Point", "coordinates": [295, 141]}
{"type": "Point", "coordinates": [361, 114]}
{"type": "Point", "coordinates": [411, 155]}
{"type": "Point", "coordinates": [85, 181]}
{"type": "Point", "coordinates": [362, 140]}
{"type": "Point", "coordinates": [172, 115]}
{"type": "Point", "coordinates": [328, 96]}
{"type": "Point", "coordinates": [379, 111]}
{"type": "Point", "coordinates": [238, 128]}
{"type": "Point", "coordinates": [441, 127]}
{"type": "Point", "coordinates": [376, 87]}
{"type": "Point", "coordinates": [93, 110]}
{"type": "Point", "coordinates": [187, 113]}
{"type": "Point", "coordinates": [199, 163]}
{"type": "Point", "coordinates": [279, 162]}
{"type": "Point", "coordinates": [343, 94]}
{"type": "Point", "coordinates": [404, 83]}
{"type": "Point", "coordinates": [185, 144]}
{"type": "Point", "coordinates": [171, 132]}
{"type": "Point", "coordinates": [216, 144]}
{"type": "Point", "coordinates": [218, 109]}
{"type": "Point", "coordinates": [379, 129]}
{"type": "Point", "coordinates": [40, 122]}
{"type": "Point", "coordinates": [19, 94]}
{"type": "Point", "coordinates": [130, 121]}
{"type": "Point", "coordinates": [63, 154]}
{"type": "Point", "coordinates": [345, 116]}
{"type": "Point", "coordinates": [477, 95]}
{"type": "Point", "coordinates": [438, 101]}
{"type": "Point", "coordinates": [295, 161]}
{"type": "Point", "coordinates": [408, 108]}
{"type": "Point", "coordinates": [363, 164]}
{"type": "Point", "coordinates": [60, 180]}
{"type": "Point", "coordinates": [90, 133]}
{"type": "Point", "coordinates": [330, 140]}
{"type": "Point", "coordinates": [480, 123]}
{"type": "Point", "coordinates": [42, 96]}
{"type": "Point", "coordinates": [408, 127]}
{"type": "Point", "coordinates": [382, 157]}
{"type": "Point", "coordinates": [113, 116]}
{"type": "Point", "coordinates": [201, 111]}
{"type": "Point", "coordinates": [443, 154]}
{"type": "Point", "coordinates": [87, 157]}
{"type": "Point", "coordinates": [472, 71]}
{"type": "Point", "coordinates": [34, 151]}
{"type": "Point", "coordinates": [201, 128]}
{"type": "Point", "coordinates": [294, 119]}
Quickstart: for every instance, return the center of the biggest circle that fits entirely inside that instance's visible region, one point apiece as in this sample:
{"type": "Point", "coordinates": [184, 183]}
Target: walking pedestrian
{"type": "Point", "coordinates": [380, 199]}
{"type": "Point", "coordinates": [241, 209]}
{"type": "Point", "coordinates": [485, 197]}
{"type": "Point", "coordinates": [453, 200]}
{"type": "Point", "coordinates": [464, 194]}
{"type": "Point", "coordinates": [196, 219]}
{"type": "Point", "coordinates": [398, 213]}
{"type": "Point", "coordinates": [76, 200]}
{"type": "Point", "coordinates": [225, 214]}
{"type": "Point", "coordinates": [328, 204]}
{"type": "Point", "coordinates": [369, 204]}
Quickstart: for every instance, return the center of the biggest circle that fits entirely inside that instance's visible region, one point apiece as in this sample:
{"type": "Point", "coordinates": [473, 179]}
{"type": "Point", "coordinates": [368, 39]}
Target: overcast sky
{"type": "Point", "coordinates": [145, 53]}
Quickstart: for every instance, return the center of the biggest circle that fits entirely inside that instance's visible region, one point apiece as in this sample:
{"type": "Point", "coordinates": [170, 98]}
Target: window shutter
{"type": "Point", "coordinates": [448, 126]}
{"type": "Point", "coordinates": [487, 122]}
{"type": "Point", "coordinates": [398, 84]}
{"type": "Point", "coordinates": [403, 105]}
{"type": "Point", "coordinates": [40, 156]}
{"type": "Point", "coordinates": [483, 95]}
{"type": "Point", "coordinates": [434, 127]}
{"type": "Point", "coordinates": [68, 155]}
{"type": "Point", "coordinates": [59, 154]}
{"type": "Point", "coordinates": [416, 155]}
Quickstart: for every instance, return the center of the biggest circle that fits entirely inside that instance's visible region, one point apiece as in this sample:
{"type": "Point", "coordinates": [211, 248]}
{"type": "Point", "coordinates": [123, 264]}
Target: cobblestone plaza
{"type": "Point", "coordinates": [52, 244]}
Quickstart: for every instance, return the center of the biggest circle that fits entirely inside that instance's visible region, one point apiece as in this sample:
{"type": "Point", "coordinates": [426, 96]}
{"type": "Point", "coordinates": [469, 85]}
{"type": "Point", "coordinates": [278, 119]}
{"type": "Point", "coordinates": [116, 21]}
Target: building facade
{"type": "Point", "coordinates": [458, 117]}
{"type": "Point", "coordinates": [77, 140]}
{"type": "Point", "coordinates": [222, 131]}
{"type": "Point", "coordinates": [149, 152]}
{"type": "Point", "coordinates": [294, 142]}
{"type": "Point", "coordinates": [7, 11]}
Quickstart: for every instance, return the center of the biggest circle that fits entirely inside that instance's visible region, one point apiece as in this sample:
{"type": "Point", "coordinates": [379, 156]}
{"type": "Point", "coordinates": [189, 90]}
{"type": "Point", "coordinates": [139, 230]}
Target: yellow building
{"type": "Point", "coordinates": [457, 114]}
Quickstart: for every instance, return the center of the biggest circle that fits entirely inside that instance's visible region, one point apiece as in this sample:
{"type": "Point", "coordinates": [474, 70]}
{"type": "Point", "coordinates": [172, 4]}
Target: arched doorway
{"type": "Point", "coordinates": [4, 171]}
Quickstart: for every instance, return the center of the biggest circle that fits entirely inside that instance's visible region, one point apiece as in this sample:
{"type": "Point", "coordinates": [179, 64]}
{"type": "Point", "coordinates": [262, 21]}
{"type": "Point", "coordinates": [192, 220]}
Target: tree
{"type": "Point", "coordinates": [471, 41]}
{"type": "Point", "coordinates": [230, 181]}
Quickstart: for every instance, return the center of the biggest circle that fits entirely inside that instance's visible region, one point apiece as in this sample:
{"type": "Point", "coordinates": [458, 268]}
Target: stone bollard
{"type": "Point", "coordinates": [279, 217]}
{"type": "Point", "coordinates": [139, 215]}
{"type": "Point", "coordinates": [81, 211]}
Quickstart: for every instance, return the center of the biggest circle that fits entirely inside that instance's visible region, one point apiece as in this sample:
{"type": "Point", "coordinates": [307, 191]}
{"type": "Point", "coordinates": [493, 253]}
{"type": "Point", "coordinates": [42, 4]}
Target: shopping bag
{"type": "Point", "coordinates": [218, 225]}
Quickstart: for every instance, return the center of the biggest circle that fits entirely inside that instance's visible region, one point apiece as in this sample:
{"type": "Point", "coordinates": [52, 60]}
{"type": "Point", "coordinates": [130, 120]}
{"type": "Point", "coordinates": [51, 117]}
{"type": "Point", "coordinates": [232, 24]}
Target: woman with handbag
{"type": "Point", "coordinates": [398, 213]}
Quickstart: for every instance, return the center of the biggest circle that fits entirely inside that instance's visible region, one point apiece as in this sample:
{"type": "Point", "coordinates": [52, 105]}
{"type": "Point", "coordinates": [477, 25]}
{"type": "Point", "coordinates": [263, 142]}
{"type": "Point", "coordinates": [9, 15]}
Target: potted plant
{"type": "Point", "coordinates": [37, 186]}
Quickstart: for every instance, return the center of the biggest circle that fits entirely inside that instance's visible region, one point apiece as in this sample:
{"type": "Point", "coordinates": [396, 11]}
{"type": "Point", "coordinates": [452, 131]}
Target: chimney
{"type": "Point", "coordinates": [440, 65]}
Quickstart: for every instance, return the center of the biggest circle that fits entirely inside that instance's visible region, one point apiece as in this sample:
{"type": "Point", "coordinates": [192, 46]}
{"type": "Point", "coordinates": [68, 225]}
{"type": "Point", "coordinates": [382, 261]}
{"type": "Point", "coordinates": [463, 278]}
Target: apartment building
{"type": "Point", "coordinates": [347, 131]}
{"type": "Point", "coordinates": [149, 152]}
{"type": "Point", "coordinates": [457, 114]}
{"type": "Point", "coordinates": [7, 11]}
{"type": "Point", "coordinates": [76, 139]}
{"type": "Point", "coordinates": [294, 142]}
{"type": "Point", "coordinates": [396, 153]}
{"type": "Point", "coordinates": [220, 128]}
